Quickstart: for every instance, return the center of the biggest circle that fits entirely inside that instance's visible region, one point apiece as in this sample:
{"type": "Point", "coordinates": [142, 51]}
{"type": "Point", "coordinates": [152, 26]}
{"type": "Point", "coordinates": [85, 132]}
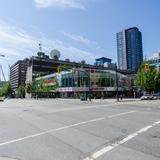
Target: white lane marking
{"type": "Point", "coordinates": [110, 147]}
{"type": "Point", "coordinates": [88, 158]}
{"type": "Point", "coordinates": [121, 114]}
{"type": "Point", "coordinates": [51, 130]}
{"type": "Point", "coordinates": [62, 128]}
{"type": "Point", "coordinates": [81, 108]}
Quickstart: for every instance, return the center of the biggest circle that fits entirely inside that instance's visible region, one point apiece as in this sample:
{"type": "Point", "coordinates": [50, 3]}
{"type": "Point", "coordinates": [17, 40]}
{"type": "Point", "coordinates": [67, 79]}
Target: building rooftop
{"type": "Point", "coordinates": [104, 58]}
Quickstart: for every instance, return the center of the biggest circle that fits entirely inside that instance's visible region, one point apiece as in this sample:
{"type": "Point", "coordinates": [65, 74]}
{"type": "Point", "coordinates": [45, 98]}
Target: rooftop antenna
{"type": "Point", "coordinates": [145, 58]}
{"type": "Point", "coordinates": [40, 46]}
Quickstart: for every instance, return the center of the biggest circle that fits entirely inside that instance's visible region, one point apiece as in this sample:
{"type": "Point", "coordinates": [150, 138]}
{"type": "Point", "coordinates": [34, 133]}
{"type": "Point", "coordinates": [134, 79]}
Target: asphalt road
{"type": "Point", "coordinates": [74, 130]}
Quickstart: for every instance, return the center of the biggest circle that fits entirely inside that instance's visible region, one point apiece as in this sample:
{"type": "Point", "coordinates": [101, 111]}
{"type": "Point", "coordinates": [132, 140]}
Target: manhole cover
{"type": "Point", "coordinates": [7, 158]}
{"type": "Point", "coordinates": [155, 136]}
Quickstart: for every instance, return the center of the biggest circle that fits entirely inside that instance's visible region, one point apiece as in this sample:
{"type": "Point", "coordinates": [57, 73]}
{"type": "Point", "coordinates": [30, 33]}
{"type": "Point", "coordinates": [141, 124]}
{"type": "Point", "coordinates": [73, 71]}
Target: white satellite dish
{"type": "Point", "coordinates": [55, 54]}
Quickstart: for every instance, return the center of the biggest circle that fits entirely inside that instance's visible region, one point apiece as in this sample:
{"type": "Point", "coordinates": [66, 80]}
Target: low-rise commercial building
{"type": "Point", "coordinates": [24, 71]}
{"type": "Point", "coordinates": [74, 82]}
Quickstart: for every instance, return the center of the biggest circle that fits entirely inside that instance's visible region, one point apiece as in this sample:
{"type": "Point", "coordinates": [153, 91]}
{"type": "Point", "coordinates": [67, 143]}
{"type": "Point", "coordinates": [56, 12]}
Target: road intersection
{"type": "Point", "coordinates": [74, 130]}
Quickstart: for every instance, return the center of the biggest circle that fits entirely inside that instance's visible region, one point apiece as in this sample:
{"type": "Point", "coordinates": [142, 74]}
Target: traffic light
{"type": "Point", "coordinates": [59, 69]}
{"type": "Point", "coordinates": [146, 66]}
{"type": "Point", "coordinates": [73, 71]}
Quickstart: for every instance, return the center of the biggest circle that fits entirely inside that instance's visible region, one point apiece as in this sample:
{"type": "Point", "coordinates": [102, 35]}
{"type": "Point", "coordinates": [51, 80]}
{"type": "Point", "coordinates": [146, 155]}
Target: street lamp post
{"type": "Point", "coordinates": [1, 69]}
{"type": "Point", "coordinates": [117, 95]}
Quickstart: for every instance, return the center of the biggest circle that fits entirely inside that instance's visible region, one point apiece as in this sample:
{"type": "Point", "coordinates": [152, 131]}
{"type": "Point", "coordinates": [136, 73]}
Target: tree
{"type": "Point", "coordinates": [6, 89]}
{"type": "Point", "coordinates": [147, 79]}
{"type": "Point", "coordinates": [157, 81]}
{"type": "Point", "coordinates": [41, 87]}
{"type": "Point", "coordinates": [21, 91]}
{"type": "Point", "coordinates": [33, 87]}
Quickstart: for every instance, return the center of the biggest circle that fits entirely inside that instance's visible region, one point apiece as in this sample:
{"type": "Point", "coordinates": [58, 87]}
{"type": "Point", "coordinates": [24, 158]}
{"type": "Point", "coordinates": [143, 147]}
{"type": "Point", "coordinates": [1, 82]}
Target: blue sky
{"type": "Point", "coordinates": [80, 29]}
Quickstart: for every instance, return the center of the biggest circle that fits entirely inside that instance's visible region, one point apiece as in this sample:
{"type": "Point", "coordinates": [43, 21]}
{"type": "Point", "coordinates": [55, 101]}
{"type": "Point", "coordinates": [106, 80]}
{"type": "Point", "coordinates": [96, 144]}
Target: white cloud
{"type": "Point", "coordinates": [60, 3]}
{"type": "Point", "coordinates": [77, 38]}
{"type": "Point", "coordinates": [68, 51]}
{"type": "Point", "coordinates": [89, 43]}
{"type": "Point", "coordinates": [15, 41]}
{"type": "Point", "coordinates": [18, 44]}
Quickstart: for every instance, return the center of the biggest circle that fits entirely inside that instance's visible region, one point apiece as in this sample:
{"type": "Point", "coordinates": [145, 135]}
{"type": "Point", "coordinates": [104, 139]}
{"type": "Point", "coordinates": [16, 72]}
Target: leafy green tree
{"type": "Point", "coordinates": [157, 82]}
{"type": "Point", "coordinates": [21, 91]}
{"type": "Point", "coordinates": [147, 79]}
{"type": "Point", "coordinates": [41, 87]}
{"type": "Point", "coordinates": [6, 89]}
{"type": "Point", "coordinates": [33, 87]}
{"type": "Point", "coordinates": [1, 92]}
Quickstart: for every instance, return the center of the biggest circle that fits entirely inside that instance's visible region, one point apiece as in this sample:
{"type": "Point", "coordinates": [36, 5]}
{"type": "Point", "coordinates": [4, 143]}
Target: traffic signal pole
{"type": "Point", "coordinates": [117, 95]}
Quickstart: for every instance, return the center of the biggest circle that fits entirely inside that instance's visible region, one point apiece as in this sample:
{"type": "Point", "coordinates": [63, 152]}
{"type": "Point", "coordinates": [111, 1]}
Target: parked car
{"type": "Point", "coordinates": [147, 97]}
{"type": "Point", "coordinates": [156, 96]}
{"type": "Point", "coordinates": [150, 97]}
{"type": "Point", "coordinates": [1, 99]}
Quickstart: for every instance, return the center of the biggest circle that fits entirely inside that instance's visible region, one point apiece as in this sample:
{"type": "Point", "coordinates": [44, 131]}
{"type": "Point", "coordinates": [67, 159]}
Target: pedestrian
{"type": "Point", "coordinates": [37, 96]}
{"type": "Point", "coordinates": [121, 97]}
{"type": "Point", "coordinates": [134, 94]}
{"type": "Point", "coordinates": [90, 98]}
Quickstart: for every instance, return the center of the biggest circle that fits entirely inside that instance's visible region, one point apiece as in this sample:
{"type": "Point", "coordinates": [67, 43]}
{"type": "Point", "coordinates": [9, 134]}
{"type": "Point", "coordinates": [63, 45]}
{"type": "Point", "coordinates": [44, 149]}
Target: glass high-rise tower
{"type": "Point", "coordinates": [129, 49]}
